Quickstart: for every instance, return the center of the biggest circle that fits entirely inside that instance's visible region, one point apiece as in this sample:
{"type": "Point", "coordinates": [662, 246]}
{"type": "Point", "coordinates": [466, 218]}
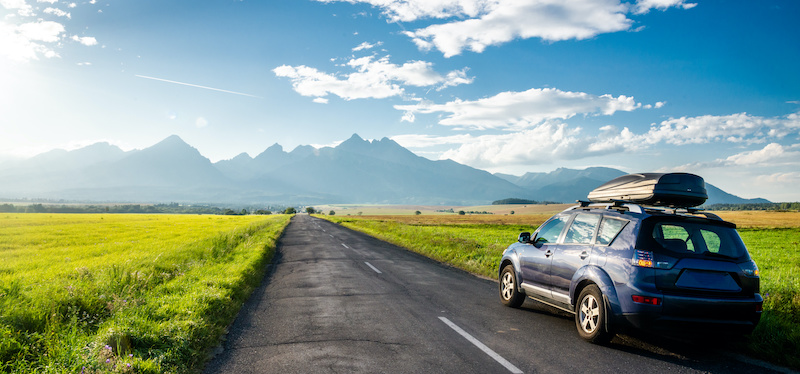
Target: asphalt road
{"type": "Point", "coordinates": [337, 301]}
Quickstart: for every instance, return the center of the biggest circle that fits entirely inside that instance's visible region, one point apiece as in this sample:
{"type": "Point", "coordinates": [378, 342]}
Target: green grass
{"type": "Point", "coordinates": [477, 248]}
{"type": "Point", "coordinates": [777, 253]}
{"type": "Point", "coordinates": [124, 293]}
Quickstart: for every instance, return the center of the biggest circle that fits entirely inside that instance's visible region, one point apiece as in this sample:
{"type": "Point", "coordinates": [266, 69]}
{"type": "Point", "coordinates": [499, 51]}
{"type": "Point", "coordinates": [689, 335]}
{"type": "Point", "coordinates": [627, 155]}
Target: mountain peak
{"type": "Point", "coordinates": [355, 142]}
{"type": "Point", "coordinates": [171, 141]}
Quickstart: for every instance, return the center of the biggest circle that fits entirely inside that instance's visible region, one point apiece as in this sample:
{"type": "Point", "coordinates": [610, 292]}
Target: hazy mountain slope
{"type": "Point", "coordinates": [355, 171]}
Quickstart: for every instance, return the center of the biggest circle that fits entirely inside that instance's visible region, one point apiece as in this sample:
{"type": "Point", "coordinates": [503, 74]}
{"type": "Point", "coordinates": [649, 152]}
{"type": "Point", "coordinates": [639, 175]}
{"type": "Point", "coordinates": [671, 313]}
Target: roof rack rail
{"type": "Point", "coordinates": [624, 205]}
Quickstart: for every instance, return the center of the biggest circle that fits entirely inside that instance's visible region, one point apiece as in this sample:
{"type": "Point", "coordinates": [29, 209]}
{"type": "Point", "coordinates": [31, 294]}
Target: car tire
{"type": "Point", "coordinates": [590, 316]}
{"type": "Point", "coordinates": [509, 288]}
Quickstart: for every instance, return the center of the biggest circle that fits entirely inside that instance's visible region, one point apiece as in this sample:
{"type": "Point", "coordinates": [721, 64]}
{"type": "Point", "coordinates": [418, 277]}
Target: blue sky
{"type": "Point", "coordinates": [710, 87]}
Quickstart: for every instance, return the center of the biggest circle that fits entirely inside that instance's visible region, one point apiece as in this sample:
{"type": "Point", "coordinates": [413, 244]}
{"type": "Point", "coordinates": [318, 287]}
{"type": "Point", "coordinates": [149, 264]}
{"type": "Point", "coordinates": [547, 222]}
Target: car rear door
{"type": "Point", "coordinates": [572, 253]}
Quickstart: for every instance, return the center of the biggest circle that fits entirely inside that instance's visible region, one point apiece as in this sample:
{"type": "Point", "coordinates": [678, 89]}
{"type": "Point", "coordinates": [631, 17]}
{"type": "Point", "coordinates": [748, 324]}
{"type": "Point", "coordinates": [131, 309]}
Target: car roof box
{"type": "Point", "coordinates": [658, 189]}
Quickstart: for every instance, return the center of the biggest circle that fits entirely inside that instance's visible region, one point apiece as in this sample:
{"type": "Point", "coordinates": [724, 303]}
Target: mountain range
{"type": "Point", "coordinates": [355, 171]}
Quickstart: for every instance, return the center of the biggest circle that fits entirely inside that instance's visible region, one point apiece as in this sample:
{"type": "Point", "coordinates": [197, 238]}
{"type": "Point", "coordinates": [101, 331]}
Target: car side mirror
{"type": "Point", "coordinates": [524, 237]}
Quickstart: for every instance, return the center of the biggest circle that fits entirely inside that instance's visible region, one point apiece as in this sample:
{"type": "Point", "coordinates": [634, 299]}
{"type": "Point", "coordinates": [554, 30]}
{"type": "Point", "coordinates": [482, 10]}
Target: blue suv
{"type": "Point", "coordinates": [619, 263]}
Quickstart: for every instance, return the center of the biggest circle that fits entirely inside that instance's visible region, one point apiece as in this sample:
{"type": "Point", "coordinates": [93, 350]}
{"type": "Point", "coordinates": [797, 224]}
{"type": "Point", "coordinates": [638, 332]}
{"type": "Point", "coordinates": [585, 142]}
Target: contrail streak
{"type": "Point", "coordinates": [198, 86]}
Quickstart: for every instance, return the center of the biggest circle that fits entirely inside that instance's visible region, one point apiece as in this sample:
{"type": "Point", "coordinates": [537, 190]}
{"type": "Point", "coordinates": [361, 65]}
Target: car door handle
{"type": "Point", "coordinates": [584, 254]}
{"type": "Point", "coordinates": [548, 253]}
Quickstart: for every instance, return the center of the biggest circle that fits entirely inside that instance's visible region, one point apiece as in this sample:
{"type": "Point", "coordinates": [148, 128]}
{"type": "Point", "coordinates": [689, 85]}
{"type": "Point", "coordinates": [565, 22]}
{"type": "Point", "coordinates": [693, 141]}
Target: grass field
{"type": "Point", "coordinates": [476, 242]}
{"type": "Point", "coordinates": [124, 293]}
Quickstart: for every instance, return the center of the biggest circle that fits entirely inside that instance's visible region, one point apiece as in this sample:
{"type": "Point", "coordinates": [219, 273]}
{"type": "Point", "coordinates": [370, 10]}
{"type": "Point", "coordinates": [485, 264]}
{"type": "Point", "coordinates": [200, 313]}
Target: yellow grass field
{"type": "Point", "coordinates": [530, 214]}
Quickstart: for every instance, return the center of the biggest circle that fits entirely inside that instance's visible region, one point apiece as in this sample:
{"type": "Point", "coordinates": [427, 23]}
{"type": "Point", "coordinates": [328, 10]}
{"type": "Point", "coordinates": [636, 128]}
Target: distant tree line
{"type": "Point", "coordinates": [172, 208]}
{"type": "Point", "coordinates": [785, 207]}
{"type": "Point", "coordinates": [515, 201]}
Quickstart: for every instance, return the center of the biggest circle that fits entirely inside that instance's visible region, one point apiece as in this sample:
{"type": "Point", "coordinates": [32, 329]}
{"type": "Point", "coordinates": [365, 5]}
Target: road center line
{"type": "Point", "coordinates": [373, 268]}
{"type": "Point", "coordinates": [482, 347]}
{"type": "Point", "coordinates": [345, 245]}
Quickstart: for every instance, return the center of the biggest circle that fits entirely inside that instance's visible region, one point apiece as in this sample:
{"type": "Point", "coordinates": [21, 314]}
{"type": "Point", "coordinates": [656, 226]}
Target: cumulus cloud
{"type": "Point", "coordinates": [371, 78]}
{"type": "Point", "coordinates": [734, 128]}
{"type": "Point", "coordinates": [29, 40]}
{"type": "Point", "coordinates": [548, 20]}
{"type": "Point", "coordinates": [644, 6]}
{"type": "Point", "coordinates": [22, 8]}
{"type": "Point", "coordinates": [25, 37]}
{"type": "Point", "coordinates": [412, 10]}
{"type": "Point", "coordinates": [541, 144]}
{"type": "Point", "coordinates": [554, 140]}
{"type": "Point", "coordinates": [522, 109]}
{"type": "Point", "coordinates": [366, 45]}
{"type": "Point", "coordinates": [57, 12]}
{"type": "Point", "coordinates": [476, 24]}
{"type": "Point", "coordinates": [86, 40]}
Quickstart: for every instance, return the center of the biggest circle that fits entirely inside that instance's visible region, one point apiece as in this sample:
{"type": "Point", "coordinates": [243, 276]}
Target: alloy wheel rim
{"type": "Point", "coordinates": [508, 286]}
{"type": "Point", "coordinates": [589, 314]}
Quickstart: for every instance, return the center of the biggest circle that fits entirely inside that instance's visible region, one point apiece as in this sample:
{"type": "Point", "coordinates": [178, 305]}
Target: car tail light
{"type": "Point", "coordinates": [759, 307]}
{"type": "Point", "coordinates": [642, 259]}
{"type": "Point", "coordinates": [646, 300]}
{"type": "Point", "coordinates": [750, 269]}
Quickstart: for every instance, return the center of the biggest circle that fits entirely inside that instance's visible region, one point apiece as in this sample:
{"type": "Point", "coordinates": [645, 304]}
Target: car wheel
{"type": "Point", "coordinates": [509, 288]}
{"type": "Point", "coordinates": [590, 316]}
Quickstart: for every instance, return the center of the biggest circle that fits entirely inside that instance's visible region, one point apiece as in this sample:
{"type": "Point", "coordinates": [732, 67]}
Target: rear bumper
{"type": "Point", "coordinates": [680, 314]}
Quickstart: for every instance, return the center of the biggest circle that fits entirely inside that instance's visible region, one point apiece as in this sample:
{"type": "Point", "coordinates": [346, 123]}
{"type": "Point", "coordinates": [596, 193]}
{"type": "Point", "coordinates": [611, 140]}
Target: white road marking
{"type": "Point", "coordinates": [482, 347]}
{"type": "Point", "coordinates": [345, 245]}
{"type": "Point", "coordinates": [373, 268]}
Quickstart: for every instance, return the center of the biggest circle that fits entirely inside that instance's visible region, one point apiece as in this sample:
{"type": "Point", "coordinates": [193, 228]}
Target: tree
{"type": "Point", "coordinates": [290, 210]}
{"type": "Point", "coordinates": [418, 212]}
{"type": "Point", "coordinates": [512, 212]}
{"type": "Point", "coordinates": [331, 213]}
{"type": "Point", "coordinates": [311, 210]}
{"type": "Point", "coordinates": [461, 212]}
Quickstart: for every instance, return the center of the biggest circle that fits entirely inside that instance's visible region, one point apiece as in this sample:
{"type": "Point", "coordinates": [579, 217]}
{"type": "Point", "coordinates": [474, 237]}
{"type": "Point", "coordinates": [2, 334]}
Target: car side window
{"type": "Point", "coordinates": [550, 232]}
{"type": "Point", "coordinates": [609, 229]}
{"type": "Point", "coordinates": [582, 229]}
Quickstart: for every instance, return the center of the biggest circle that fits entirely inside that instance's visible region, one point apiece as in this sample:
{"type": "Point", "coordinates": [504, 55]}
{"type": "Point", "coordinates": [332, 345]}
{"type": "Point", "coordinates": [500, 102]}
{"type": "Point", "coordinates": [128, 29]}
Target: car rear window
{"type": "Point", "coordinates": [609, 229]}
{"type": "Point", "coordinates": [691, 237]}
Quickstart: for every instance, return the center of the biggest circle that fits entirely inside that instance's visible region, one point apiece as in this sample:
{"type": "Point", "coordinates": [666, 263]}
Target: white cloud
{"type": "Point", "coordinates": [366, 45]}
{"type": "Point", "coordinates": [28, 41]}
{"type": "Point", "coordinates": [734, 128]}
{"type": "Point", "coordinates": [201, 122]}
{"type": "Point", "coordinates": [542, 144]}
{"type": "Point", "coordinates": [320, 100]}
{"type": "Point", "coordinates": [47, 1]}
{"type": "Point", "coordinates": [554, 141]}
{"type": "Point", "coordinates": [477, 24]}
{"type": "Point", "coordinates": [771, 155]}
{"type": "Point", "coordinates": [522, 109]}
{"type": "Point", "coordinates": [548, 20]}
{"type": "Point", "coordinates": [791, 178]}
{"type": "Point", "coordinates": [23, 8]}
{"type": "Point", "coordinates": [412, 10]}
{"type": "Point", "coordinates": [45, 31]}
{"type": "Point", "coordinates": [371, 78]}
{"type": "Point", "coordinates": [57, 12]}
{"type": "Point", "coordinates": [769, 152]}
{"type": "Point", "coordinates": [86, 40]}
{"type": "Point", "coordinates": [644, 6]}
